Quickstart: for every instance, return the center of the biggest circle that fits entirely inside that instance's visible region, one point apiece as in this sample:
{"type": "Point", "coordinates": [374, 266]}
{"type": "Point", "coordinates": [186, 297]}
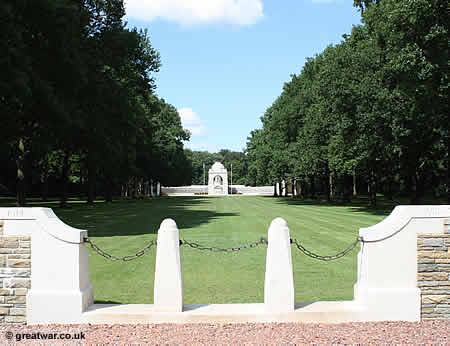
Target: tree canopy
{"type": "Point", "coordinates": [370, 111]}
{"type": "Point", "coordinates": [78, 104]}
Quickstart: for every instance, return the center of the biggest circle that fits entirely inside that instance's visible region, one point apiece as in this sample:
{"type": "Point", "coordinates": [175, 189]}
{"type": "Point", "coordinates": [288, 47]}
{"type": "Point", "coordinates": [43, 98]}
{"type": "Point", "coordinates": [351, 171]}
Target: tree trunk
{"type": "Point", "coordinates": [92, 176]}
{"type": "Point", "coordinates": [45, 189]}
{"type": "Point", "coordinates": [372, 189]}
{"type": "Point", "coordinates": [355, 192]}
{"type": "Point", "coordinates": [275, 190]}
{"type": "Point", "coordinates": [108, 189]}
{"type": "Point", "coordinates": [348, 187]}
{"type": "Point", "coordinates": [20, 162]}
{"type": "Point", "coordinates": [81, 185]}
{"type": "Point", "coordinates": [448, 181]}
{"type": "Point", "coordinates": [313, 187]}
{"type": "Point", "coordinates": [300, 189]}
{"type": "Point", "coordinates": [44, 181]}
{"type": "Point", "coordinates": [331, 187]}
{"type": "Point", "coordinates": [418, 190]}
{"type": "Point", "coordinates": [65, 179]}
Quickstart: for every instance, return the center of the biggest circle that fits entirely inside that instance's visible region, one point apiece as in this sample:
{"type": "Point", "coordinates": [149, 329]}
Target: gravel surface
{"type": "Point", "coordinates": [429, 332]}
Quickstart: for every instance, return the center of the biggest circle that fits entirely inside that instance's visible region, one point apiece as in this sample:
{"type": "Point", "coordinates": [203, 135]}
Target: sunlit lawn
{"type": "Point", "coordinates": [124, 227]}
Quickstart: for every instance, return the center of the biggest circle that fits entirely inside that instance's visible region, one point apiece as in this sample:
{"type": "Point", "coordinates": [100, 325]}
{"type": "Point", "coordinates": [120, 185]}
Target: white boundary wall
{"type": "Point", "coordinates": [60, 288]}
{"type": "Point", "coordinates": [203, 190]}
{"type": "Point", "coordinates": [386, 287]}
{"type": "Point", "coordinates": [387, 270]}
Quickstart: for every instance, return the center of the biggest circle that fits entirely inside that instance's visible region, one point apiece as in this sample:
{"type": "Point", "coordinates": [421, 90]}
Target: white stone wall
{"type": "Point", "coordinates": [387, 269]}
{"type": "Point", "coordinates": [184, 190]}
{"type": "Point", "coordinates": [199, 190]}
{"type": "Point", "coordinates": [393, 267]}
{"type": "Point", "coordinates": [58, 285]}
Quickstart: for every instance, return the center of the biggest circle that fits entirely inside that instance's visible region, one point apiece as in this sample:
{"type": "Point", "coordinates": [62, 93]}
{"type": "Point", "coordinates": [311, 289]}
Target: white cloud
{"type": "Point", "coordinates": [240, 12]}
{"type": "Point", "coordinates": [192, 122]}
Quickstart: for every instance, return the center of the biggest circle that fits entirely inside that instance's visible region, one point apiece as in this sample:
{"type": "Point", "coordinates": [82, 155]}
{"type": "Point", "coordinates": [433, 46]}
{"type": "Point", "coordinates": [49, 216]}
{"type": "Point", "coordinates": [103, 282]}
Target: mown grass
{"type": "Point", "coordinates": [123, 227]}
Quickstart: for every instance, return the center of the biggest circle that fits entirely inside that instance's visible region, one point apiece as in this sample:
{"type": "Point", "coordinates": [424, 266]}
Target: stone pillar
{"type": "Point", "coordinates": [168, 289]}
{"type": "Point", "coordinates": [279, 280]}
{"type": "Point", "coordinates": [60, 288]}
{"type": "Point", "coordinates": [387, 263]}
{"type": "Point", "coordinates": [15, 267]}
{"type": "Point", "coordinates": [158, 189]}
{"type": "Point", "coordinates": [433, 277]}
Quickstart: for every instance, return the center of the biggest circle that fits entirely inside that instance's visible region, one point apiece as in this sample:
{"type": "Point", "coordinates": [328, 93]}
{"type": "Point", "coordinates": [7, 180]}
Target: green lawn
{"type": "Point", "coordinates": [123, 227]}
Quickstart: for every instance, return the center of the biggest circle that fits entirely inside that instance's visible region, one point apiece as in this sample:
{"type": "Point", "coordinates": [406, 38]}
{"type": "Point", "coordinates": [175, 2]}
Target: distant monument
{"type": "Point", "coordinates": [217, 180]}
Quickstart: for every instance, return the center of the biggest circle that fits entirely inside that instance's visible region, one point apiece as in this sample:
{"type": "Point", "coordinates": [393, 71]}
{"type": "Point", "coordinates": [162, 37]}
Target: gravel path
{"type": "Point", "coordinates": [430, 332]}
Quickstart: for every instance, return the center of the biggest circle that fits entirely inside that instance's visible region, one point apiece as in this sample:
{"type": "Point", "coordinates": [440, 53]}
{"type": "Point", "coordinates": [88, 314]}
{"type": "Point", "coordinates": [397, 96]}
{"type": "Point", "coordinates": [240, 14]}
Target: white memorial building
{"type": "Point", "coordinates": [217, 180]}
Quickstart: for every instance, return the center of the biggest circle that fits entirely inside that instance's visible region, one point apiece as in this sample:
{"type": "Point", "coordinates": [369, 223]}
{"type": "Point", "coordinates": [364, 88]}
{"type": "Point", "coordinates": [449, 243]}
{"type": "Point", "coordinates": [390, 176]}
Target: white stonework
{"type": "Point", "coordinates": [386, 287]}
{"type": "Point", "coordinates": [60, 288]}
{"type": "Point", "coordinates": [387, 270]}
{"type": "Point", "coordinates": [168, 289]}
{"type": "Point", "coordinates": [279, 279]}
{"type": "Point", "coordinates": [217, 180]}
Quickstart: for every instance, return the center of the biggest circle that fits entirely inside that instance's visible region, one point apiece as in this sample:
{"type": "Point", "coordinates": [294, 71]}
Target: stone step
{"type": "Point", "coordinates": [319, 312]}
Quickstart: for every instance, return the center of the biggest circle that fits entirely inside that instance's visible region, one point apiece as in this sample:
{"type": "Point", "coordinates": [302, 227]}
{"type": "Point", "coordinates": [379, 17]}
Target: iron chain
{"type": "Point", "coordinates": [197, 246]}
{"type": "Point", "coordinates": [124, 258]}
{"type": "Point", "coordinates": [321, 257]}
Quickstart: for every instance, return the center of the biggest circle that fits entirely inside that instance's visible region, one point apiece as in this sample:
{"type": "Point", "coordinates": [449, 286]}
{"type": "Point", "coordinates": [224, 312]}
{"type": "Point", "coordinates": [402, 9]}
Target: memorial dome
{"type": "Point", "coordinates": [217, 166]}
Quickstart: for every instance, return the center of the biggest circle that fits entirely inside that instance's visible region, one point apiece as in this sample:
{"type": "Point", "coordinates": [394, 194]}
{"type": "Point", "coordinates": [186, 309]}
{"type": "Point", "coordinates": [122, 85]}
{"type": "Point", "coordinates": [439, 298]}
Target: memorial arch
{"type": "Point", "coordinates": [217, 180]}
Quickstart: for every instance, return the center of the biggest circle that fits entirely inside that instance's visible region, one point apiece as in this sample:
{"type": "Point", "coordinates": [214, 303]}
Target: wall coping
{"type": "Point", "coordinates": [400, 217]}
{"type": "Point", "coordinates": [46, 220]}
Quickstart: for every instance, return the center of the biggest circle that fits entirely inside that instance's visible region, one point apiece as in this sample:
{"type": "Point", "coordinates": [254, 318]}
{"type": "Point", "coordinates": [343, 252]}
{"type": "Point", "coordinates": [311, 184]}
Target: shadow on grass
{"type": "Point", "coordinates": [106, 302]}
{"type": "Point", "coordinates": [130, 217]}
{"type": "Point", "coordinates": [358, 205]}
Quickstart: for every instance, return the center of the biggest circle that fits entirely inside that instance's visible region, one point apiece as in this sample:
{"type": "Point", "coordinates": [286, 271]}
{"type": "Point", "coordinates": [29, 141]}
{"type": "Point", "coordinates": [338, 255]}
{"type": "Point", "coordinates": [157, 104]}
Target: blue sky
{"type": "Point", "coordinates": [224, 62]}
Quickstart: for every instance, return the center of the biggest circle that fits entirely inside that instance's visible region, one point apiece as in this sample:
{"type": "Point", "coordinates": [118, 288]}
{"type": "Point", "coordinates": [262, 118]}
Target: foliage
{"type": "Point", "coordinates": [374, 107]}
{"type": "Point", "coordinates": [77, 102]}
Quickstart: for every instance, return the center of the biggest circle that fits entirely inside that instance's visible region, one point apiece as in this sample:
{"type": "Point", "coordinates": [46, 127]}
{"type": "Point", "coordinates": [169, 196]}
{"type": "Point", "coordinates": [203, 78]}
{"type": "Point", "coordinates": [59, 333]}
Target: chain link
{"type": "Point", "coordinates": [325, 258]}
{"type": "Point", "coordinates": [197, 246]}
{"type": "Point", "coordinates": [124, 258]}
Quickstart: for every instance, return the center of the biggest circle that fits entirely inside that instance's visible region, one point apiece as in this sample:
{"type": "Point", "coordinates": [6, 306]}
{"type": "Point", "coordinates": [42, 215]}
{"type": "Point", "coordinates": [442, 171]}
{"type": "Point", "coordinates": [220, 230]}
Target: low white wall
{"type": "Point", "coordinates": [60, 288]}
{"type": "Point", "coordinates": [387, 270]}
{"type": "Point", "coordinates": [386, 287]}
{"type": "Point", "coordinates": [203, 189]}
{"type": "Point", "coordinates": [184, 190]}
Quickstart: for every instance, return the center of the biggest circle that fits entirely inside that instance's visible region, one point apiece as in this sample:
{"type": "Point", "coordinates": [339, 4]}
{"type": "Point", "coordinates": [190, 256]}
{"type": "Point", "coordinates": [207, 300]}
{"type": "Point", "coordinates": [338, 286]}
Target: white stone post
{"type": "Point", "coordinates": [279, 280]}
{"type": "Point", "coordinates": [168, 289]}
{"type": "Point", "coordinates": [158, 189]}
{"type": "Point", "coordinates": [151, 188]}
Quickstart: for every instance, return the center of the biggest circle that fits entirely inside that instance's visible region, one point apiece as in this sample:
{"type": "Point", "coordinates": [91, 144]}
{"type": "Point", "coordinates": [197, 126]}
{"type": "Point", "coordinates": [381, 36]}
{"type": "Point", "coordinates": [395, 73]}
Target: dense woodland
{"type": "Point", "coordinates": [367, 115]}
{"type": "Point", "coordinates": [80, 115]}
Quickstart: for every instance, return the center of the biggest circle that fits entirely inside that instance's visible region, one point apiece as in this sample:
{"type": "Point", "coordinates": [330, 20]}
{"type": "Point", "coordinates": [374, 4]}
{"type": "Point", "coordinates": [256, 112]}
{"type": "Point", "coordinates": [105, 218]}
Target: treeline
{"type": "Point", "coordinates": [369, 114]}
{"type": "Point", "coordinates": [77, 103]}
